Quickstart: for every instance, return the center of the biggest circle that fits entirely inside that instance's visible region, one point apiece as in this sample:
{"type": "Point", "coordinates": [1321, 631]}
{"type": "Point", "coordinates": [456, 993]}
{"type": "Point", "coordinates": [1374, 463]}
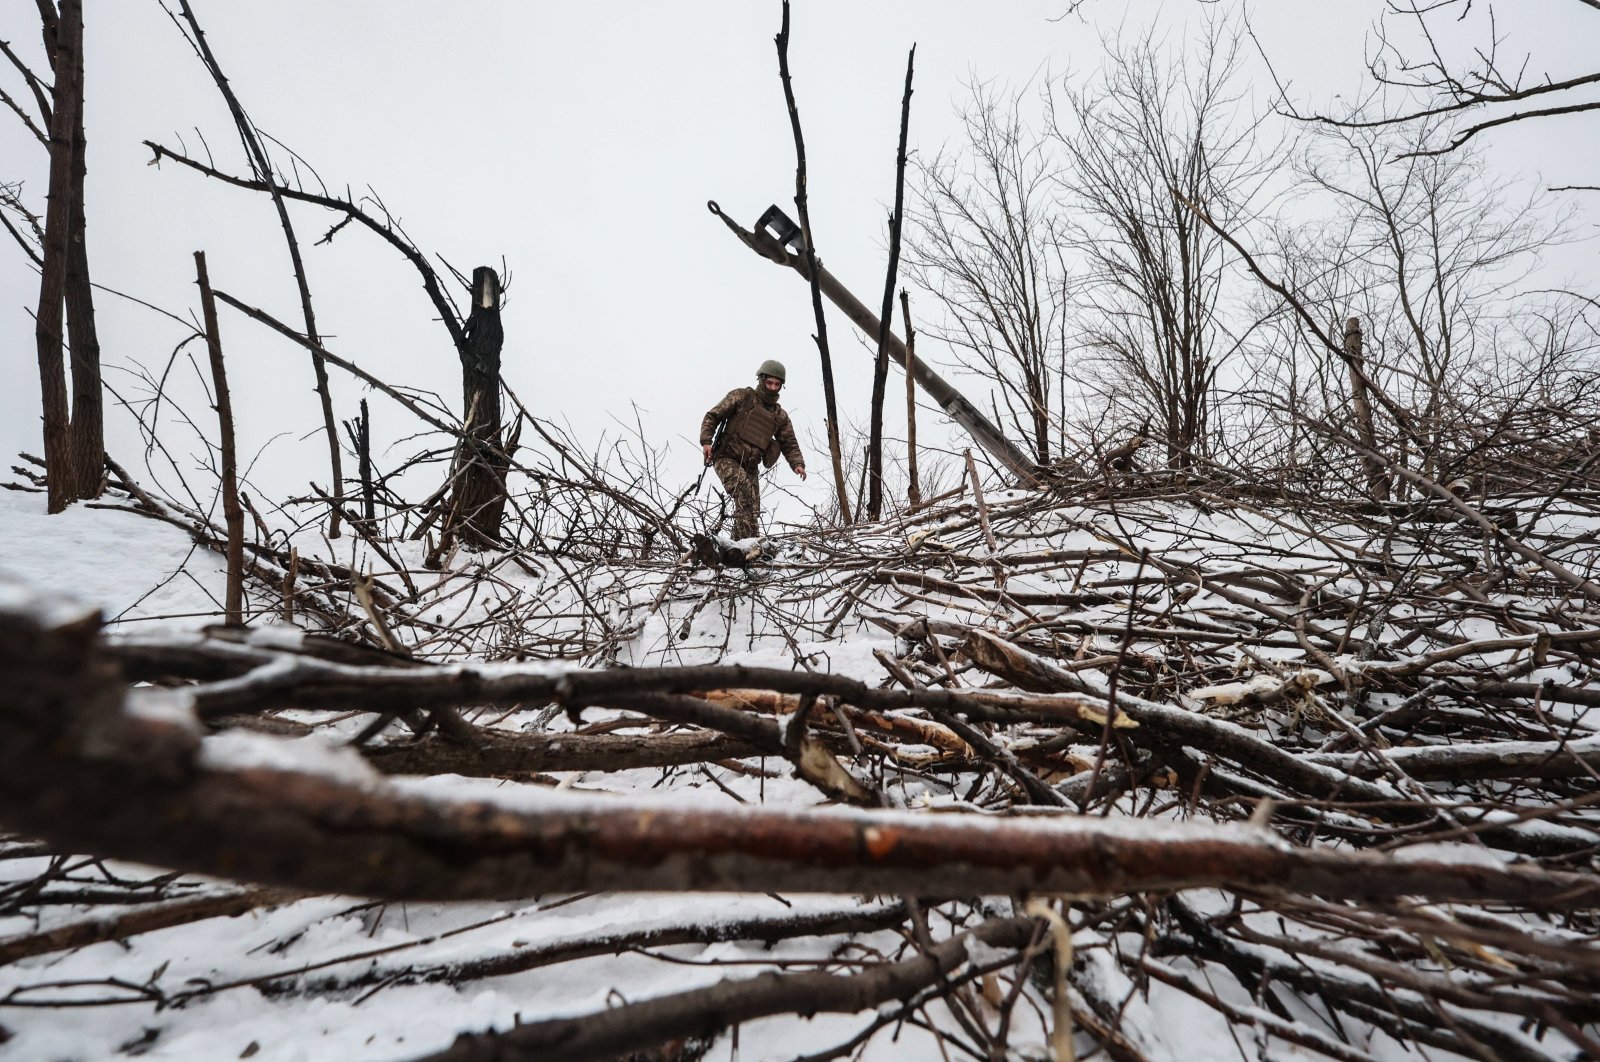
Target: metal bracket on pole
{"type": "Point", "coordinates": [778, 239]}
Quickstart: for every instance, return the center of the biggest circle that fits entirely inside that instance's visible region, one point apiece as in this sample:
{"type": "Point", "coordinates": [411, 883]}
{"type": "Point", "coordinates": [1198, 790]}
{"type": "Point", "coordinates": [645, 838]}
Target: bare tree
{"type": "Point", "coordinates": [986, 242]}
{"type": "Point", "coordinates": [74, 435]}
{"type": "Point", "coordinates": [880, 366]}
{"type": "Point", "coordinates": [1479, 90]}
{"type": "Point", "coordinates": [1150, 134]}
{"type": "Point", "coordinates": [1446, 249]}
{"type": "Point", "coordinates": [261, 168]}
{"type": "Point", "coordinates": [802, 206]}
{"type": "Point", "coordinates": [1433, 258]}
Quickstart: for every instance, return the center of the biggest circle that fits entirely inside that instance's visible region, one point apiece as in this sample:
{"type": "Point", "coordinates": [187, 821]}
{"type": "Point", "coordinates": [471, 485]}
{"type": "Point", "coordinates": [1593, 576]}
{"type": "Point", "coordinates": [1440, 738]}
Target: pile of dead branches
{"type": "Point", "coordinates": [1325, 769]}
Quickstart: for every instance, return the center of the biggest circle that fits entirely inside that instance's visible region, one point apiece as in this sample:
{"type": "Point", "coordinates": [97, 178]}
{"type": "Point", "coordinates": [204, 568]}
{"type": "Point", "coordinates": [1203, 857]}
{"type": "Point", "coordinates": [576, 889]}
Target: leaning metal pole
{"type": "Point", "coordinates": [953, 402]}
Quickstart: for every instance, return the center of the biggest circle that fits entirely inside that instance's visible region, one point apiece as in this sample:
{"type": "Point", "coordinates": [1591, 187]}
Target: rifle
{"type": "Point", "coordinates": [717, 434]}
{"type": "Point", "coordinates": [719, 431]}
{"type": "Point", "coordinates": [685, 495]}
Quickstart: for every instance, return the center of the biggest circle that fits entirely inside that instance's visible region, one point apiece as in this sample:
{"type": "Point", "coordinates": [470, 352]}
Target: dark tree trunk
{"type": "Point", "coordinates": [1361, 406]}
{"type": "Point", "coordinates": [914, 488]}
{"type": "Point", "coordinates": [482, 465]}
{"type": "Point", "coordinates": [87, 434]}
{"type": "Point", "coordinates": [800, 202]}
{"type": "Point", "coordinates": [232, 511]}
{"type": "Point", "coordinates": [369, 507]}
{"type": "Point", "coordinates": [880, 368]}
{"type": "Point", "coordinates": [64, 458]}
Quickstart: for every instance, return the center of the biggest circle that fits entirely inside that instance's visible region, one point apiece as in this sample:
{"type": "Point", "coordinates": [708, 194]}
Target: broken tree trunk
{"type": "Point", "coordinates": [953, 402]}
{"type": "Point", "coordinates": [913, 487]}
{"type": "Point", "coordinates": [1361, 405]}
{"type": "Point", "coordinates": [835, 453]}
{"type": "Point", "coordinates": [480, 501]}
{"type": "Point", "coordinates": [369, 507]}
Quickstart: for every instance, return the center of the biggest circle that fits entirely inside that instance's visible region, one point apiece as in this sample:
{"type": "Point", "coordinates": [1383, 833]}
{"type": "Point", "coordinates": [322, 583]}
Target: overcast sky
{"type": "Point", "coordinates": [579, 143]}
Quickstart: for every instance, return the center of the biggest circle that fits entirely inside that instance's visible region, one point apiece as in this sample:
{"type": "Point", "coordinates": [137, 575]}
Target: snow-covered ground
{"type": "Point", "coordinates": [232, 987]}
{"type": "Point", "coordinates": [344, 977]}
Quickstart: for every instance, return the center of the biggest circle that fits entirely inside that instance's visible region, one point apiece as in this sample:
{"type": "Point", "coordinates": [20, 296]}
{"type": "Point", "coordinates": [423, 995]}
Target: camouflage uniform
{"type": "Point", "coordinates": [745, 490]}
{"type": "Point", "coordinates": [758, 431]}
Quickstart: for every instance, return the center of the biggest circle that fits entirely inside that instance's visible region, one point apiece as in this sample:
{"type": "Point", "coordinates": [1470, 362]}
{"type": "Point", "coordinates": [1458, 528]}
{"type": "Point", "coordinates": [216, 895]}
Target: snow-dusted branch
{"type": "Point", "coordinates": [82, 770]}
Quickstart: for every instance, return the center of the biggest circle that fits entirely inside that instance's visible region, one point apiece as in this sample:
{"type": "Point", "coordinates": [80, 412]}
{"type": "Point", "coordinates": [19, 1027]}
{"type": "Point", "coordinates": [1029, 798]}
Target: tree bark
{"type": "Point", "coordinates": [147, 920]}
{"type": "Point", "coordinates": [481, 464]}
{"type": "Point", "coordinates": [520, 755]}
{"type": "Point", "coordinates": [1361, 406]}
{"type": "Point", "coordinates": [369, 507]}
{"type": "Point", "coordinates": [232, 511]}
{"type": "Point", "coordinates": [63, 458]}
{"type": "Point", "coordinates": [87, 436]}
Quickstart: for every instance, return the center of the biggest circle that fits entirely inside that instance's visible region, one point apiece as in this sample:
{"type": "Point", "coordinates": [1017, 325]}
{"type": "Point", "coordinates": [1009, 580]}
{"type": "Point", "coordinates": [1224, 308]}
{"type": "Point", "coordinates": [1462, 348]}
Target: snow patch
{"type": "Point", "coordinates": [1454, 853]}
{"type": "Point", "coordinates": [166, 706]}
{"type": "Point", "coordinates": [237, 750]}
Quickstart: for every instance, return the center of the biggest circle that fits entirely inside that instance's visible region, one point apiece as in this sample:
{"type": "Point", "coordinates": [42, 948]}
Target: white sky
{"type": "Point", "coordinates": [580, 142]}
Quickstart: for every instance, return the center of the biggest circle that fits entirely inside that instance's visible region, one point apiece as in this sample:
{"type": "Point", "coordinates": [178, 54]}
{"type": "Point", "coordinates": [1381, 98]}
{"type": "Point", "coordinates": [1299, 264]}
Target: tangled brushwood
{"type": "Point", "coordinates": [1286, 748]}
{"type": "Point", "coordinates": [1320, 773]}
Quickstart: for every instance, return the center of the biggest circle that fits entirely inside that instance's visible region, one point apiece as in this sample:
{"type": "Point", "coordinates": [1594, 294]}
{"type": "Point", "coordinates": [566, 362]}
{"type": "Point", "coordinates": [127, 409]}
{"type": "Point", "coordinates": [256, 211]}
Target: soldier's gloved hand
{"type": "Point", "coordinates": [707, 449]}
{"type": "Point", "coordinates": [800, 470]}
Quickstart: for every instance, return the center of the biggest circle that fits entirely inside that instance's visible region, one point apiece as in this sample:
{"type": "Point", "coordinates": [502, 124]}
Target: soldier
{"type": "Point", "coordinates": [755, 430]}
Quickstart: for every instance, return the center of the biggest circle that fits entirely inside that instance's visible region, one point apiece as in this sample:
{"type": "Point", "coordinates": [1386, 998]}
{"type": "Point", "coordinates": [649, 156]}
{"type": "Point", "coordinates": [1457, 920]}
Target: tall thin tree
{"type": "Point", "coordinates": [984, 242]}
{"type": "Point", "coordinates": [840, 486]}
{"type": "Point", "coordinates": [880, 368]}
{"type": "Point", "coordinates": [261, 165]}
{"type": "Point", "coordinates": [1153, 131]}
{"type": "Point", "coordinates": [74, 444]}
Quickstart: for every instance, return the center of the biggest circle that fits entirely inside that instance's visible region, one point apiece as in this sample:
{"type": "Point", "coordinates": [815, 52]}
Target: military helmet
{"type": "Point", "coordinates": [774, 369]}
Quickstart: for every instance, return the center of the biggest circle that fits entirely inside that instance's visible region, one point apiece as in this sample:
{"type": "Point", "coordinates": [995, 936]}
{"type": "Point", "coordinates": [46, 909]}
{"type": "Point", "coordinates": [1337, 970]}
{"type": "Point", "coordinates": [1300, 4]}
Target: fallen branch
{"type": "Point", "coordinates": [706, 1012]}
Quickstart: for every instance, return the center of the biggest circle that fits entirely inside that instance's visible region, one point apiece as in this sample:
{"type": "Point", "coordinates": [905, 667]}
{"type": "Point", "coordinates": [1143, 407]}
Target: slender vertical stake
{"type": "Point", "coordinates": [914, 490]}
{"type": "Point", "coordinates": [369, 507]}
{"type": "Point", "coordinates": [1361, 405]}
{"type": "Point", "coordinates": [232, 511]}
{"type": "Point", "coordinates": [983, 522]}
{"type": "Point", "coordinates": [289, 575]}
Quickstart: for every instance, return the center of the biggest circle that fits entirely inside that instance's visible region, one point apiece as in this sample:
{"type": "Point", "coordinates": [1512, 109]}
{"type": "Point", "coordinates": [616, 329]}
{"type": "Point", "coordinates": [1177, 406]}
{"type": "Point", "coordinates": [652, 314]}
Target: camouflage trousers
{"type": "Point", "coordinates": [744, 487]}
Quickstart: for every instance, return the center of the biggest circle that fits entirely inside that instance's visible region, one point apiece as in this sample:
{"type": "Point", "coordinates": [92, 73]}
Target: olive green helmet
{"type": "Point", "coordinates": [773, 369]}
